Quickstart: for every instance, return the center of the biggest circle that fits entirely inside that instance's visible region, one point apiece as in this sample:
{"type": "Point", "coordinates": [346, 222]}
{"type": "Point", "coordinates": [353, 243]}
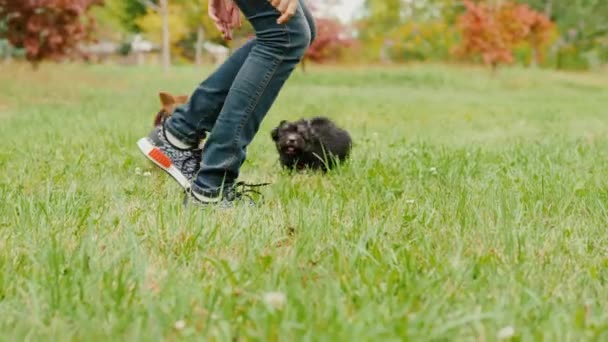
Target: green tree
{"type": "Point", "coordinates": [182, 28]}
{"type": "Point", "coordinates": [189, 24]}
{"type": "Point", "coordinates": [160, 16]}
{"type": "Point", "coordinates": [133, 10]}
{"type": "Point", "coordinates": [120, 15]}
{"type": "Point", "coordinates": [380, 18]}
{"type": "Point", "coordinates": [199, 24]}
{"type": "Point", "coordinates": [400, 29]}
{"type": "Point", "coordinates": [582, 24]}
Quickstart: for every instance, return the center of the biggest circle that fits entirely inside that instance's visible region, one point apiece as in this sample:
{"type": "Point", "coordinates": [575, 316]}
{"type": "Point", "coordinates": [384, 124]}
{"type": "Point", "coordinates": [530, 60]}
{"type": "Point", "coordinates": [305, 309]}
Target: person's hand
{"type": "Point", "coordinates": [287, 8]}
{"type": "Point", "coordinates": [225, 15]}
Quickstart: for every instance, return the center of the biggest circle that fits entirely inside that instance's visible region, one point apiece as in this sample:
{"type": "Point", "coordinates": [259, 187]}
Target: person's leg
{"type": "Point", "coordinates": [278, 50]}
{"type": "Point", "coordinates": [311, 22]}
{"type": "Point", "coordinates": [190, 122]}
{"type": "Point", "coordinates": [174, 147]}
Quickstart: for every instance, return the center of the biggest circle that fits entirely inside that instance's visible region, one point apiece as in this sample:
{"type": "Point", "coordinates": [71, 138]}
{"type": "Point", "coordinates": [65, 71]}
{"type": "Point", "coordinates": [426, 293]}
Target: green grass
{"type": "Point", "coordinates": [471, 204]}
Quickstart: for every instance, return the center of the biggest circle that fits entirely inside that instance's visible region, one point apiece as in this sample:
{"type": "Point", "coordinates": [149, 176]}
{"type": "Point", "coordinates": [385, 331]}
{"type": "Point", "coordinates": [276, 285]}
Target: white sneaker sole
{"type": "Point", "coordinates": [163, 161]}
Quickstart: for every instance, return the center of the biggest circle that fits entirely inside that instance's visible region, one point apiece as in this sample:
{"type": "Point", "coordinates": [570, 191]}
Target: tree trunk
{"type": "Point", "coordinates": [535, 60]}
{"type": "Point", "coordinates": [494, 69]}
{"type": "Point", "coordinates": [7, 49]}
{"type": "Point", "coordinates": [549, 9]}
{"type": "Point", "coordinates": [200, 35]}
{"type": "Point", "coordinates": [164, 12]}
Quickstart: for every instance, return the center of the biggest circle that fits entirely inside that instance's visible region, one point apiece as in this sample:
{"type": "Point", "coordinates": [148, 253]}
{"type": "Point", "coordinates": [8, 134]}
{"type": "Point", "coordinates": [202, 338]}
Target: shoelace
{"type": "Point", "coordinates": [242, 189]}
{"type": "Point", "coordinates": [238, 191]}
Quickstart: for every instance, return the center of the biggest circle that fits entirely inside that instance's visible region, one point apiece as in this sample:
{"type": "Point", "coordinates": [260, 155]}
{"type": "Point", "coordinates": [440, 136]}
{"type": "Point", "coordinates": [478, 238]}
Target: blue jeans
{"type": "Point", "coordinates": [232, 102]}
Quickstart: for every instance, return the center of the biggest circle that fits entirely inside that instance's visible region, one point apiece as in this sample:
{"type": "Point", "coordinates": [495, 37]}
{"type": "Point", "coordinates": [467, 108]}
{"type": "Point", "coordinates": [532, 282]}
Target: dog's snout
{"type": "Point", "coordinates": [292, 139]}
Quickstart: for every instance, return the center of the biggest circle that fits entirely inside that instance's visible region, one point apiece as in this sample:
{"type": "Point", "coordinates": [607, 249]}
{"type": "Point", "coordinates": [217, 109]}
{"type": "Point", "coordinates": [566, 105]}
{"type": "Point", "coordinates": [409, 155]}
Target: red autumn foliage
{"type": "Point", "coordinates": [494, 31]}
{"type": "Point", "coordinates": [330, 38]}
{"type": "Point", "coordinates": [47, 29]}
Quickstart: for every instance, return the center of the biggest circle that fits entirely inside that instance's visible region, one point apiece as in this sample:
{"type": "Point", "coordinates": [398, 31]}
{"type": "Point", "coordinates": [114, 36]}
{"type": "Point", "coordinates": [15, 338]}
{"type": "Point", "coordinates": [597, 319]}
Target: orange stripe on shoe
{"type": "Point", "coordinates": [160, 158]}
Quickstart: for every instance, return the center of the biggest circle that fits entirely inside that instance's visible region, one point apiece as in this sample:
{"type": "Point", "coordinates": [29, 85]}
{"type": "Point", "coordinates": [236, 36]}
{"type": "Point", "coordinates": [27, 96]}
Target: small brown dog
{"type": "Point", "coordinates": [168, 104]}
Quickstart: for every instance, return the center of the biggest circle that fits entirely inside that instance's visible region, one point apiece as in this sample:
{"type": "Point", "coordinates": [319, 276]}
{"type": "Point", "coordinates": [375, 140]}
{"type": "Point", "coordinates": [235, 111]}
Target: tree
{"type": "Point", "coordinates": [198, 22]}
{"type": "Point", "coordinates": [177, 20]}
{"type": "Point", "coordinates": [182, 29]}
{"type": "Point", "coordinates": [331, 37]}
{"type": "Point", "coordinates": [493, 30]}
{"type": "Point", "coordinates": [162, 8]}
{"type": "Point", "coordinates": [482, 35]}
{"type": "Point", "coordinates": [380, 17]}
{"type": "Point", "coordinates": [582, 24]}
{"type": "Point", "coordinates": [422, 40]}
{"type": "Point", "coordinates": [388, 27]}
{"type": "Point", "coordinates": [120, 15]}
{"type": "Point", "coordinates": [530, 26]}
{"type": "Point", "coordinates": [47, 29]}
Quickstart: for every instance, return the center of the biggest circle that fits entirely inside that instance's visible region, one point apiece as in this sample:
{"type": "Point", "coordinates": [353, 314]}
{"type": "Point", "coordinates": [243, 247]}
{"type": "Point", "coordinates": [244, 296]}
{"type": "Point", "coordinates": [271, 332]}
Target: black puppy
{"type": "Point", "coordinates": [315, 144]}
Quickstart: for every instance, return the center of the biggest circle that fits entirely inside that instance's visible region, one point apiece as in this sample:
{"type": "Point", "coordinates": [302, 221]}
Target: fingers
{"type": "Point", "coordinates": [288, 9]}
{"type": "Point", "coordinates": [227, 31]}
{"type": "Point", "coordinates": [213, 15]}
{"type": "Point", "coordinates": [213, 9]}
{"type": "Point", "coordinates": [235, 17]}
{"type": "Point", "coordinates": [232, 20]}
{"type": "Point", "coordinates": [225, 16]}
{"type": "Point", "coordinates": [282, 6]}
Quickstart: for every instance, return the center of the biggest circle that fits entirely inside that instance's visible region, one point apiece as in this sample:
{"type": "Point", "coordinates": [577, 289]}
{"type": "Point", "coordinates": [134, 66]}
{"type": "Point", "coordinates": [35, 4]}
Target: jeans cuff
{"type": "Point", "coordinates": [212, 193]}
{"type": "Point", "coordinates": [179, 135]}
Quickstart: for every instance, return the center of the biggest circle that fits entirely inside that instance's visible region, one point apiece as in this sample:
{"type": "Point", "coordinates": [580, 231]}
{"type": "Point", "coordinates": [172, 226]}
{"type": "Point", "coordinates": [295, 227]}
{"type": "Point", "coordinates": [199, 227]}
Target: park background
{"type": "Point", "coordinates": [474, 206]}
{"type": "Point", "coordinates": [544, 33]}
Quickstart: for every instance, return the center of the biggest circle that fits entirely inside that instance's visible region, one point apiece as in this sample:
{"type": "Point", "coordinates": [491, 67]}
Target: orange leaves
{"type": "Point", "coordinates": [46, 29]}
{"type": "Point", "coordinates": [330, 38]}
{"type": "Point", "coordinates": [494, 31]}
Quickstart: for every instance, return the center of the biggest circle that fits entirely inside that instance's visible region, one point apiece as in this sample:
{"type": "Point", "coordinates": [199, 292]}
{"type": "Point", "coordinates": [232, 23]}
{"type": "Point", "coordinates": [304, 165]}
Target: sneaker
{"type": "Point", "coordinates": [181, 164]}
{"type": "Point", "coordinates": [238, 192]}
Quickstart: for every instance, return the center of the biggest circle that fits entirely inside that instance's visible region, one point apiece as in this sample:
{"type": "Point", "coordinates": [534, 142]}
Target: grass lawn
{"type": "Point", "coordinates": [474, 207]}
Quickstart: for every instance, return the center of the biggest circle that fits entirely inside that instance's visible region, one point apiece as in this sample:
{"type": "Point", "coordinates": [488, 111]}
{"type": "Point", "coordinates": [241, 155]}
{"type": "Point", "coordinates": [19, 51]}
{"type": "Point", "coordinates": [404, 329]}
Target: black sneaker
{"type": "Point", "coordinates": [239, 192]}
{"type": "Point", "coordinates": [182, 165]}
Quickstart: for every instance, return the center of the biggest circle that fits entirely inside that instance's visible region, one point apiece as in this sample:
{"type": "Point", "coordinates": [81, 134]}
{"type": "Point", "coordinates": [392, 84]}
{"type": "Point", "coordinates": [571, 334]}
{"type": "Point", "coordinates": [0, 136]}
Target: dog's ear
{"type": "Point", "coordinates": [166, 99]}
{"type": "Point", "coordinates": [275, 134]}
{"type": "Point", "coordinates": [168, 102]}
{"type": "Point", "coordinates": [182, 99]}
